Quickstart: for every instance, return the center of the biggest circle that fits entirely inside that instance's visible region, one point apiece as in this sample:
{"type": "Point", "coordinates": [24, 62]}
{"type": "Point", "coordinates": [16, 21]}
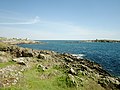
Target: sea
{"type": "Point", "coordinates": [105, 54]}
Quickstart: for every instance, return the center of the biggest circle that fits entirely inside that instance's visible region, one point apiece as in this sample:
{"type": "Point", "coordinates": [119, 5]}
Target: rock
{"type": "Point", "coordinates": [72, 71]}
{"type": "Point", "coordinates": [109, 83]}
{"type": "Point", "coordinates": [68, 59]}
{"type": "Point", "coordinates": [113, 80]}
{"type": "Point", "coordinates": [27, 53]}
{"type": "Point", "coordinates": [72, 81]}
{"type": "Point", "coordinates": [3, 59]}
{"type": "Point", "coordinates": [10, 75]}
{"type": "Point", "coordinates": [20, 61]}
{"type": "Point", "coordinates": [41, 68]}
{"type": "Point", "coordinates": [2, 53]}
{"type": "Point", "coordinates": [48, 52]}
{"type": "Point", "coordinates": [102, 82]}
{"type": "Point", "coordinates": [83, 68]}
{"type": "Point", "coordinates": [45, 57]}
{"type": "Point", "coordinates": [66, 54]}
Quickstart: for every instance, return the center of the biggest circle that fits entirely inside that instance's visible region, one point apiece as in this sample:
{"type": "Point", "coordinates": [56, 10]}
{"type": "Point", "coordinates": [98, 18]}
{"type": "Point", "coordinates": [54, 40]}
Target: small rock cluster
{"type": "Point", "coordinates": [10, 75]}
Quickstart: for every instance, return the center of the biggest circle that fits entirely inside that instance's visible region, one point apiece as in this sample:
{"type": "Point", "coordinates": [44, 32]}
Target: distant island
{"type": "Point", "coordinates": [102, 40]}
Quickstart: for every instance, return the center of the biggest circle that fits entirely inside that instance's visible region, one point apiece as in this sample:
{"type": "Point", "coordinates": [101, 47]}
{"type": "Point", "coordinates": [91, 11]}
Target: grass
{"type": "Point", "coordinates": [32, 81]}
{"type": "Point", "coordinates": [2, 65]}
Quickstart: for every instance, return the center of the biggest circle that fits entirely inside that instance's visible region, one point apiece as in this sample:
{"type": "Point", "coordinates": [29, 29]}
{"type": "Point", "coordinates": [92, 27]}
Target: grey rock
{"type": "Point", "coordinates": [45, 57]}
{"type": "Point", "coordinates": [41, 67]}
{"type": "Point", "coordinates": [72, 71]}
{"type": "Point", "coordinates": [68, 59]}
{"type": "Point", "coordinates": [73, 81]}
{"type": "Point", "coordinates": [20, 61]}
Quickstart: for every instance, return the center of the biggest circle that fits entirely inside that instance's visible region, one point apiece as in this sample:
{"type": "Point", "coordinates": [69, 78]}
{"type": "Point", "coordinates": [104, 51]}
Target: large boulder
{"type": "Point", "coordinates": [20, 61]}
{"type": "Point", "coordinates": [27, 53]}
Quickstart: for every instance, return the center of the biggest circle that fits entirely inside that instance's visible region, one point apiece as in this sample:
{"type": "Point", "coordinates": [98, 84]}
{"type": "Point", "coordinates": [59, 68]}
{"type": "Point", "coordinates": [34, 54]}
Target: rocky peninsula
{"type": "Point", "coordinates": [28, 69]}
{"type": "Point", "coordinates": [102, 40]}
{"type": "Point", "coordinates": [15, 41]}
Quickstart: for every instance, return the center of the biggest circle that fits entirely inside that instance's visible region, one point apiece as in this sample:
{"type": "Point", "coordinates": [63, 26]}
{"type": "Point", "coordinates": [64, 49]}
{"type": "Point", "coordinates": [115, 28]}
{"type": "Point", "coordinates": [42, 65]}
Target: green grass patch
{"type": "Point", "coordinates": [2, 65]}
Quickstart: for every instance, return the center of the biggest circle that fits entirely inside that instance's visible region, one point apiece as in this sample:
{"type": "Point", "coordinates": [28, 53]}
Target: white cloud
{"type": "Point", "coordinates": [34, 21]}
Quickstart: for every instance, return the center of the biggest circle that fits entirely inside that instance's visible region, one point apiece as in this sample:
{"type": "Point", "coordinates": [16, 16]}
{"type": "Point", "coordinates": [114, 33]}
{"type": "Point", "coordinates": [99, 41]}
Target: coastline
{"type": "Point", "coordinates": [23, 59]}
{"type": "Point", "coordinates": [102, 40]}
{"type": "Point", "coordinates": [15, 41]}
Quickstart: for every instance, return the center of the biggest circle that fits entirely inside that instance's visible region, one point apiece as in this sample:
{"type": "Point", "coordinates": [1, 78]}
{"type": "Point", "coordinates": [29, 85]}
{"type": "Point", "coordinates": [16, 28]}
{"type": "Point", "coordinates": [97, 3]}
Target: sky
{"type": "Point", "coordinates": [60, 19]}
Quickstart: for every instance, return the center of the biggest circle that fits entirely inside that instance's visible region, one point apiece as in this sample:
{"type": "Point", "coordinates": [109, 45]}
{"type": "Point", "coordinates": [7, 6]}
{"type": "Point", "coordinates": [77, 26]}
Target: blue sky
{"type": "Point", "coordinates": [60, 19]}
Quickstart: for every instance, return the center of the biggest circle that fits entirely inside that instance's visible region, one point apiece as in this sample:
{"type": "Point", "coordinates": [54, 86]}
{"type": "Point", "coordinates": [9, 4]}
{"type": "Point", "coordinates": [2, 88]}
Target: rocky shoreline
{"type": "Point", "coordinates": [104, 41]}
{"type": "Point", "coordinates": [15, 41]}
{"type": "Point", "coordinates": [79, 73]}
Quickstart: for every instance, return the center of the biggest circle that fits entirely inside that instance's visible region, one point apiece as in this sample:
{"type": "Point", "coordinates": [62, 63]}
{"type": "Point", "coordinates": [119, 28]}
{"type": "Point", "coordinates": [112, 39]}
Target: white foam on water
{"type": "Point", "coordinates": [78, 56]}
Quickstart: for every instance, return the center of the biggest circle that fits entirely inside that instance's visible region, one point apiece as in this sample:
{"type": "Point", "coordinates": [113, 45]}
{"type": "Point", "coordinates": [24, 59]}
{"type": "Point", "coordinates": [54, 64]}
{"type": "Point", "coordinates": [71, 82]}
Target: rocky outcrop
{"type": "Point", "coordinates": [104, 40]}
{"type": "Point", "coordinates": [14, 41]}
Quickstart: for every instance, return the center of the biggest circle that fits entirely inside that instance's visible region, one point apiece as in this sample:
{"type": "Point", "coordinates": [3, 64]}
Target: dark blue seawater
{"type": "Point", "coordinates": [106, 54]}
